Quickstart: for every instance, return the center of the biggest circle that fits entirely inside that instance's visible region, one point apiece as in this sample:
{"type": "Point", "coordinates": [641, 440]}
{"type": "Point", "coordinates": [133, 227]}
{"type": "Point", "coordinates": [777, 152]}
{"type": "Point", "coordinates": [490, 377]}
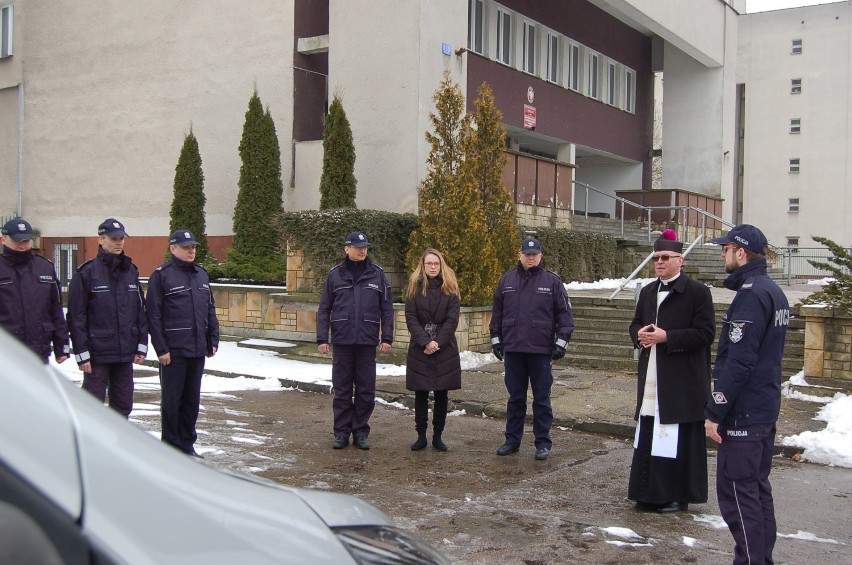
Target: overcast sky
{"type": "Point", "coordinates": [764, 5]}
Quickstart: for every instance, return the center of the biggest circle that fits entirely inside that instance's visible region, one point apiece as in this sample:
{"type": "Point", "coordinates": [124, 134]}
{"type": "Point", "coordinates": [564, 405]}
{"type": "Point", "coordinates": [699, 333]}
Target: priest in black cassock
{"type": "Point", "coordinates": [673, 327]}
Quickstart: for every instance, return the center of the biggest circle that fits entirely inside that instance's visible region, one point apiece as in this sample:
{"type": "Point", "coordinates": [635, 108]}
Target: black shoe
{"type": "Point", "coordinates": [438, 443]}
{"type": "Point", "coordinates": [420, 443]}
{"type": "Point", "coordinates": [646, 507]}
{"type": "Point", "coordinates": [340, 442]}
{"type": "Point", "coordinates": [361, 442]}
{"type": "Point", "coordinates": [508, 448]}
{"type": "Point", "coordinates": [194, 454]}
{"type": "Point", "coordinates": [542, 453]}
{"type": "Point", "coordinates": [673, 507]}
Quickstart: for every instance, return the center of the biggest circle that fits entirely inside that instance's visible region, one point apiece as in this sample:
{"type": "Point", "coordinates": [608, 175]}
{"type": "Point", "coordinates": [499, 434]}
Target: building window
{"type": "Point", "coordinates": [529, 48]}
{"type": "Point", "coordinates": [552, 57]}
{"type": "Point", "coordinates": [477, 20]}
{"type": "Point", "coordinates": [504, 37]}
{"type": "Point", "coordinates": [629, 91]}
{"type": "Point", "coordinates": [611, 83]}
{"type": "Point", "coordinates": [593, 88]}
{"type": "Point", "coordinates": [795, 125]}
{"type": "Point", "coordinates": [793, 206]}
{"type": "Point", "coordinates": [796, 86]}
{"type": "Point", "coordinates": [574, 59]}
{"type": "Point", "coordinates": [794, 167]}
{"type": "Point", "coordinates": [6, 17]}
{"type": "Point", "coordinates": [796, 48]}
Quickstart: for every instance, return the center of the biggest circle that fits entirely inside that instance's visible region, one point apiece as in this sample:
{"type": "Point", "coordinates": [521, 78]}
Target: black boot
{"type": "Point", "coordinates": [439, 418]}
{"type": "Point", "coordinates": [421, 418]}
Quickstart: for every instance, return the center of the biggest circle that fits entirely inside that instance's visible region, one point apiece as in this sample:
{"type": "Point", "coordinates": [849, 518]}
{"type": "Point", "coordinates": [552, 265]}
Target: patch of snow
{"type": "Point", "coordinates": [716, 521]}
{"type": "Point", "coordinates": [807, 536]}
{"type": "Point", "coordinates": [624, 533]}
{"type": "Point", "coordinates": [832, 445]}
{"type": "Point", "coordinates": [689, 542]}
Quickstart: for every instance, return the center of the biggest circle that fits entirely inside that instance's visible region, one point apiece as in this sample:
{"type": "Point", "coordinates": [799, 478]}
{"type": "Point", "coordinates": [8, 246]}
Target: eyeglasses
{"type": "Point", "coordinates": [728, 246]}
{"type": "Point", "coordinates": [664, 257]}
{"type": "Point", "coordinates": [432, 263]}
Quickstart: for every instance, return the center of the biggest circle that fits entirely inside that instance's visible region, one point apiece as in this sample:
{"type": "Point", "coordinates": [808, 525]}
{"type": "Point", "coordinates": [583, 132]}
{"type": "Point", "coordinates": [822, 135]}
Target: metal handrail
{"type": "Point", "coordinates": [703, 214]}
{"type": "Point", "coordinates": [641, 266]}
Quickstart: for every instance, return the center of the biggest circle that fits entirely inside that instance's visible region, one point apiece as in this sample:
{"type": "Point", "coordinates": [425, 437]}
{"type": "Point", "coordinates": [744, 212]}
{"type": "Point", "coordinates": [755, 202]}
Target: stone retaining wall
{"type": "Point", "coordinates": [269, 312]}
{"type": "Point", "coordinates": [828, 343]}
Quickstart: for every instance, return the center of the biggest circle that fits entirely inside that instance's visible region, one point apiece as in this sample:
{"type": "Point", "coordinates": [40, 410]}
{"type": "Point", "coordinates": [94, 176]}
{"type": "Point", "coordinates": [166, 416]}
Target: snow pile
{"type": "Point", "coordinates": [832, 445]}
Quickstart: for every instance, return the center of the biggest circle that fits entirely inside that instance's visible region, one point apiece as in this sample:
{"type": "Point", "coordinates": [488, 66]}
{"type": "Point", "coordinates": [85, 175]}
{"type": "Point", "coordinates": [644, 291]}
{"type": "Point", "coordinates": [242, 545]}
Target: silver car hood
{"type": "Point", "coordinates": [141, 501]}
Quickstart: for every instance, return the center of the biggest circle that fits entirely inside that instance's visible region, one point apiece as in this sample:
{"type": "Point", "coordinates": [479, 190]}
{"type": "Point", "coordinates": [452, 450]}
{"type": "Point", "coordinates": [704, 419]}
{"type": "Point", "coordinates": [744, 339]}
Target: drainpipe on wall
{"type": "Point", "coordinates": [20, 189]}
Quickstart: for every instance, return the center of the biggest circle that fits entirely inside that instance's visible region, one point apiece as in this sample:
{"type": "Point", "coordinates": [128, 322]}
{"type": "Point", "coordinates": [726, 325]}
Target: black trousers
{"type": "Point", "coordinates": [118, 378]}
{"type": "Point", "coordinates": [528, 370]}
{"type": "Point", "coordinates": [180, 382]}
{"type": "Point", "coordinates": [353, 371]}
{"type": "Point", "coordinates": [743, 463]}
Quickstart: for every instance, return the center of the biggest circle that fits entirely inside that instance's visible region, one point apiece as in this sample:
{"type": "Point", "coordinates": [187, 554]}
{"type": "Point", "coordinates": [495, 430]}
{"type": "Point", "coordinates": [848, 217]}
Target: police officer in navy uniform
{"type": "Point", "coordinates": [184, 329]}
{"type": "Point", "coordinates": [531, 324]}
{"type": "Point", "coordinates": [30, 296]}
{"type": "Point", "coordinates": [356, 306]}
{"type": "Point", "coordinates": [746, 397]}
{"type": "Point", "coordinates": [106, 317]}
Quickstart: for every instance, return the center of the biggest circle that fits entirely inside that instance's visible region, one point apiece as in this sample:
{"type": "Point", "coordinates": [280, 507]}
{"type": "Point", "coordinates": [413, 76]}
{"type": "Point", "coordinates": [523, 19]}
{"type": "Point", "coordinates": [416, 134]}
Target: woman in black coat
{"type": "Point", "coordinates": [432, 316]}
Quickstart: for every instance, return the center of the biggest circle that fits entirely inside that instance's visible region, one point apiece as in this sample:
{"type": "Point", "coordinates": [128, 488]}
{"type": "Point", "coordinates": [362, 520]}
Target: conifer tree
{"type": "Point", "coordinates": [838, 293]}
{"type": "Point", "coordinates": [187, 211]}
{"type": "Point", "coordinates": [451, 218]}
{"type": "Point", "coordinates": [338, 182]}
{"type": "Point", "coordinates": [485, 159]}
{"type": "Point", "coordinates": [259, 197]}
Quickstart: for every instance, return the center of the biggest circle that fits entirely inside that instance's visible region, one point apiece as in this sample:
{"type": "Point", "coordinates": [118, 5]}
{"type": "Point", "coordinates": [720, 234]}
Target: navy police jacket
{"type": "Point", "coordinates": [747, 376]}
{"type": "Point", "coordinates": [531, 311]}
{"type": "Point", "coordinates": [355, 311]}
{"type": "Point", "coordinates": [31, 303]}
{"type": "Point", "coordinates": [106, 311]}
{"type": "Point", "coordinates": [181, 312]}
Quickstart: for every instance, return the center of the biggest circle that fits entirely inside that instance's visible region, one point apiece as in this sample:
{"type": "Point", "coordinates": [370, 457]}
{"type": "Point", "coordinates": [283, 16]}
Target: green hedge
{"type": "Point", "coordinates": [576, 255]}
{"type": "Point", "coordinates": [319, 234]}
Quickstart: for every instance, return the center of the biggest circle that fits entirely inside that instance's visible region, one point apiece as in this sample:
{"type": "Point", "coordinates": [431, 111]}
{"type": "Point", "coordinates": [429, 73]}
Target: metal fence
{"type": "Point", "coordinates": [797, 268]}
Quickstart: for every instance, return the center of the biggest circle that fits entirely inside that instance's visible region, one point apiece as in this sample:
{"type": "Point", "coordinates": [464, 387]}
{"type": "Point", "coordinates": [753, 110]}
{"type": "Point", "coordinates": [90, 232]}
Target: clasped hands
{"type": "Point", "coordinates": [431, 347]}
{"type": "Point", "coordinates": [650, 335]}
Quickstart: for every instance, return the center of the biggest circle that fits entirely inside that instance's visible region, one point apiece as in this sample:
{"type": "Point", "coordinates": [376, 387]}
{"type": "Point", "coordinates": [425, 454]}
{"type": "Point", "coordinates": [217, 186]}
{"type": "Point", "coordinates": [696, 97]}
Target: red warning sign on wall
{"type": "Point", "coordinates": [529, 116]}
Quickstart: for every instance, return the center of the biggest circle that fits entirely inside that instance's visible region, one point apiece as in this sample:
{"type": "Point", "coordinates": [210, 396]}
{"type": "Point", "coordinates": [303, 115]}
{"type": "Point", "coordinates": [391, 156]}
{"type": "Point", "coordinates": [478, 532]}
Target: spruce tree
{"type": "Point", "coordinates": [485, 159]}
{"type": "Point", "coordinates": [838, 293]}
{"type": "Point", "coordinates": [451, 218]}
{"type": "Point", "coordinates": [187, 211]}
{"type": "Point", "coordinates": [259, 197]}
{"type": "Point", "coordinates": [338, 182]}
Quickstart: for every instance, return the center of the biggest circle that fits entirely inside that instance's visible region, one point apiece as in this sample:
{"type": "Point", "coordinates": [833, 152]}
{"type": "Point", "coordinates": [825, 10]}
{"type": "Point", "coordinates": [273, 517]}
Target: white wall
{"type": "Point", "coordinates": [305, 194]}
{"type": "Point", "coordinates": [823, 146]}
{"type": "Point", "coordinates": [113, 86]}
{"type": "Point", "coordinates": [387, 69]}
{"type": "Point", "coordinates": [608, 178]}
{"type": "Point", "coordinates": [692, 124]}
{"type": "Point", "coordinates": [698, 30]}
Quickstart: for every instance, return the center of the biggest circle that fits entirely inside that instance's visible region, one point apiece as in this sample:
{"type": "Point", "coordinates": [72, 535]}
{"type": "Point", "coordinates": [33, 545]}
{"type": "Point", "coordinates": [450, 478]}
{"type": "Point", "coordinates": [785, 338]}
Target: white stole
{"type": "Point", "coordinates": [664, 437]}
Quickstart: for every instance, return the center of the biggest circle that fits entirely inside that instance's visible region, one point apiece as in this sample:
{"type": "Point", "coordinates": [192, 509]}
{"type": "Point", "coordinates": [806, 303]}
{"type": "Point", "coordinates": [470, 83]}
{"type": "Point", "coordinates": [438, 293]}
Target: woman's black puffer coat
{"type": "Point", "coordinates": [439, 313]}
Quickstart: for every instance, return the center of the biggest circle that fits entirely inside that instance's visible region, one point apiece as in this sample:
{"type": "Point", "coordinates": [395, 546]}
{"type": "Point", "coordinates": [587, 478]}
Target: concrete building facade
{"type": "Point", "coordinates": [96, 97]}
{"type": "Point", "coordinates": [794, 69]}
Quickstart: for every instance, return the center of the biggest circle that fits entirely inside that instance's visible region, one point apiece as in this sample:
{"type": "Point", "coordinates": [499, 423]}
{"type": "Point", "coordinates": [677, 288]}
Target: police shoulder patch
{"type": "Point", "coordinates": [738, 330]}
{"type": "Point", "coordinates": [719, 398]}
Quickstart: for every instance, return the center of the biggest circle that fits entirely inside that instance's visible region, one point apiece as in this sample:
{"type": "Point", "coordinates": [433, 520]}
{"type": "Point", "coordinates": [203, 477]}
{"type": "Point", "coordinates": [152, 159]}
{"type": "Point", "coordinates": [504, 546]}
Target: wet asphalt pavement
{"type": "Point", "coordinates": [478, 508]}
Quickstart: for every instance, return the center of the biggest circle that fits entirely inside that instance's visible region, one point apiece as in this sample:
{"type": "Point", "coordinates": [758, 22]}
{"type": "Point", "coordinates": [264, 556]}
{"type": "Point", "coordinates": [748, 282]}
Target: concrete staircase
{"type": "Point", "coordinates": [633, 231]}
{"type": "Point", "coordinates": [601, 340]}
{"type": "Point", "coordinates": [703, 264]}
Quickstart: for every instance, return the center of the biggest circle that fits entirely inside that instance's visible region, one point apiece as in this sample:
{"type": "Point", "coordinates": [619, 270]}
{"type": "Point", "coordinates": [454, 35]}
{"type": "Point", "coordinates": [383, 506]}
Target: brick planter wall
{"type": "Point", "coordinates": [272, 313]}
{"type": "Point", "coordinates": [828, 343]}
